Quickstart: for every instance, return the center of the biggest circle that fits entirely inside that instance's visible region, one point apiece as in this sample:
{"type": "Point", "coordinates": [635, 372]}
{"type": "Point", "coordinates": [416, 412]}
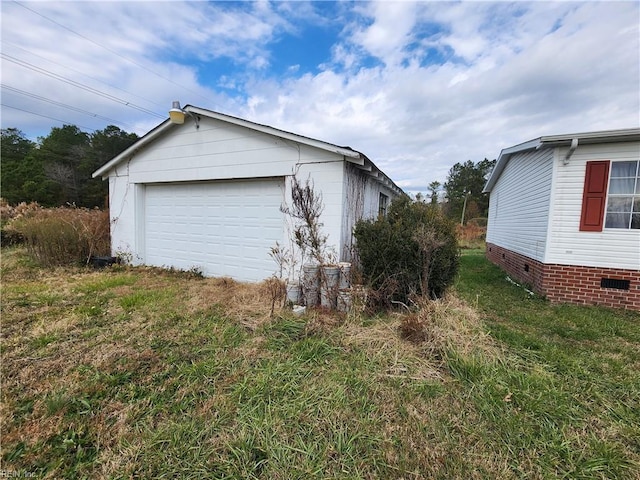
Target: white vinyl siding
{"type": "Point", "coordinates": [328, 183]}
{"type": "Point", "coordinates": [217, 150]}
{"type": "Point", "coordinates": [519, 204]}
{"type": "Point", "coordinates": [613, 247]}
{"type": "Point", "coordinates": [361, 201]}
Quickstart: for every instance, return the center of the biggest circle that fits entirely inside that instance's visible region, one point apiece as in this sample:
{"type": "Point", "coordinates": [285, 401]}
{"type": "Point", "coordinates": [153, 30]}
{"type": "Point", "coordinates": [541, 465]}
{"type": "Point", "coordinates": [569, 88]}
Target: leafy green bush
{"type": "Point", "coordinates": [411, 251]}
{"type": "Point", "coordinates": [63, 236]}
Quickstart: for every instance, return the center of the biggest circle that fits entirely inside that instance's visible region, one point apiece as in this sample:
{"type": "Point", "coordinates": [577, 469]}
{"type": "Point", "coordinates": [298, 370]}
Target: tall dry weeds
{"type": "Point", "coordinates": [445, 325]}
{"type": "Point", "coordinates": [64, 235]}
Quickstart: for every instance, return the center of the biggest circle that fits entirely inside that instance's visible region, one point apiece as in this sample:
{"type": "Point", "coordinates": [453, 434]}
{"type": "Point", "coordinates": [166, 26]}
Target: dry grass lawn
{"type": "Point", "coordinates": [145, 373]}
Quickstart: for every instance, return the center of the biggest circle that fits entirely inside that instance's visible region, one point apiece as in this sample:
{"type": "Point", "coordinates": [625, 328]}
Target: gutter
{"type": "Point", "coordinates": [572, 148]}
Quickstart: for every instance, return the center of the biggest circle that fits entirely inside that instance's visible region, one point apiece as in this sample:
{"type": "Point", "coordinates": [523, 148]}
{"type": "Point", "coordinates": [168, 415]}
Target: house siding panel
{"type": "Point", "coordinates": [610, 248]}
{"type": "Point", "coordinates": [361, 201]}
{"type": "Point", "coordinates": [122, 210]}
{"type": "Point", "coordinates": [519, 204]}
{"type": "Point", "coordinates": [327, 181]}
{"type": "Point", "coordinates": [218, 150]}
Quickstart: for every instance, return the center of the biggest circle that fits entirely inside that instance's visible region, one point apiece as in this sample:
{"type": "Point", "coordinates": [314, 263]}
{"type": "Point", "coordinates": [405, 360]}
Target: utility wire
{"type": "Point", "coordinates": [46, 116]}
{"type": "Point", "coordinates": [60, 104]}
{"type": "Point", "coordinates": [78, 85]}
{"type": "Point", "coordinates": [109, 50]}
{"type": "Point", "coordinates": [83, 74]}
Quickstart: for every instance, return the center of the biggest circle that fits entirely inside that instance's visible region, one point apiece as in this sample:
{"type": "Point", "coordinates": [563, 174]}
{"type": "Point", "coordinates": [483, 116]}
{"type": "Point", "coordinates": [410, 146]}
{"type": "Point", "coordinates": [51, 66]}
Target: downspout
{"type": "Point", "coordinates": [572, 148]}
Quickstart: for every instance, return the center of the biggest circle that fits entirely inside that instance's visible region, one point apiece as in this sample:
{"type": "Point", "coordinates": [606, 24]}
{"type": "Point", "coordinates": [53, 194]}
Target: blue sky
{"type": "Point", "coordinates": [416, 86]}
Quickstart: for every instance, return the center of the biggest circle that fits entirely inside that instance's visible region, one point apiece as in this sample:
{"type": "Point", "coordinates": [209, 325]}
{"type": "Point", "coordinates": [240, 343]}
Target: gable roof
{"type": "Point", "coordinates": [566, 140]}
{"type": "Point", "coordinates": [349, 154]}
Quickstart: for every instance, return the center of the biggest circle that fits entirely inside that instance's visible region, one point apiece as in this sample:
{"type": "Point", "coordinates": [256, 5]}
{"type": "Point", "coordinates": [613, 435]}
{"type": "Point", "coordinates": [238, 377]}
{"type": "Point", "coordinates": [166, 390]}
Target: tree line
{"type": "Point", "coordinates": [56, 169]}
{"type": "Point", "coordinates": [463, 199]}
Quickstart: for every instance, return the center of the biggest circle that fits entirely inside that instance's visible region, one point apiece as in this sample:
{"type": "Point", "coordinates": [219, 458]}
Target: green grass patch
{"type": "Point", "coordinates": [573, 374]}
{"type": "Point", "coordinates": [138, 373]}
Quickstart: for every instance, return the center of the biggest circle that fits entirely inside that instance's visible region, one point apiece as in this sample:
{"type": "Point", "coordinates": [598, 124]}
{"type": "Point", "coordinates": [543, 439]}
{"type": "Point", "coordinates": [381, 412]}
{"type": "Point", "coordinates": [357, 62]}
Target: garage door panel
{"type": "Point", "coordinates": [224, 228]}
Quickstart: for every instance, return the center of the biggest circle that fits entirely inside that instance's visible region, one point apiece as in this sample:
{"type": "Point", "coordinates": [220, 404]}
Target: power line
{"type": "Point", "coordinates": [82, 86]}
{"type": "Point", "coordinates": [46, 116]}
{"type": "Point", "coordinates": [83, 74]}
{"type": "Point", "coordinates": [60, 104]}
{"type": "Point", "coordinates": [109, 50]}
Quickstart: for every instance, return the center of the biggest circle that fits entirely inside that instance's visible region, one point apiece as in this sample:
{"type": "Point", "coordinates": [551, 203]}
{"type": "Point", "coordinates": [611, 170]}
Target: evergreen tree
{"type": "Point", "coordinates": [464, 184]}
{"type": "Point", "coordinates": [15, 171]}
{"type": "Point", "coordinates": [57, 170]}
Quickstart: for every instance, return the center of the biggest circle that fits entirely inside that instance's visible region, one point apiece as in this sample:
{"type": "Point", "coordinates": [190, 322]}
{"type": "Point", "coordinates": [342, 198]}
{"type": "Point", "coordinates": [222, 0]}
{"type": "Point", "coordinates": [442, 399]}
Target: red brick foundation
{"type": "Point", "coordinates": [569, 283]}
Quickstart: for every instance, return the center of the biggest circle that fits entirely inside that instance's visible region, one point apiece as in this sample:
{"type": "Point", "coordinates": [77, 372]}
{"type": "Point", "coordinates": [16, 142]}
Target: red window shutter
{"type": "Point", "coordinates": [594, 197]}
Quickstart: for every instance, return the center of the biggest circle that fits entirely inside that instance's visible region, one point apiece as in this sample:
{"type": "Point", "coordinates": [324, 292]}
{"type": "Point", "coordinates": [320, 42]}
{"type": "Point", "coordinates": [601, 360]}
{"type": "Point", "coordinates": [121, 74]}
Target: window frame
{"type": "Point", "coordinates": [634, 195]}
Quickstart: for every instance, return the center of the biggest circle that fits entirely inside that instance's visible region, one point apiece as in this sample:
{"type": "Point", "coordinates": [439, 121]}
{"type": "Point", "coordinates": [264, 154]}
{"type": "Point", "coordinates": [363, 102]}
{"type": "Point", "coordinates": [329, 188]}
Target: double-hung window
{"type": "Point", "coordinates": [623, 199]}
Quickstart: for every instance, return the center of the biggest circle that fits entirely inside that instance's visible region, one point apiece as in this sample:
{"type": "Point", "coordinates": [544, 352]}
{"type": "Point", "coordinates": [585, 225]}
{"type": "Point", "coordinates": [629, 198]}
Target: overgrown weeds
{"type": "Point", "coordinates": [63, 235]}
{"type": "Point", "coordinates": [472, 235]}
{"type": "Point", "coordinates": [448, 325]}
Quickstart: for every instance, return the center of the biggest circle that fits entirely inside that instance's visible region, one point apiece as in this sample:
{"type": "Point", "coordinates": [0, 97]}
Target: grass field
{"type": "Point", "coordinates": [142, 373]}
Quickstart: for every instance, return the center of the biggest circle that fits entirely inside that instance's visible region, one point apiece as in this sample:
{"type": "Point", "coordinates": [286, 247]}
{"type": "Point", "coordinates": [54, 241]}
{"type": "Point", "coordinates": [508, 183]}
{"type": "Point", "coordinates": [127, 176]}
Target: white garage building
{"type": "Point", "coordinates": [208, 193]}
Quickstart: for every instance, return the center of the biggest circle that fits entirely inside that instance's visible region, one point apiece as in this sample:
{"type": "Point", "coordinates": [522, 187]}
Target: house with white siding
{"type": "Point", "coordinates": [564, 216]}
{"type": "Point", "coordinates": [205, 190]}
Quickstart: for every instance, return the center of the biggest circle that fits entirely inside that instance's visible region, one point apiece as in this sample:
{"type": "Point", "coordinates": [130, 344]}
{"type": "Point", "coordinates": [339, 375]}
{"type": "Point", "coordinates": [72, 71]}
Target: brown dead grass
{"type": "Point", "coordinates": [437, 327]}
{"type": "Point", "coordinates": [248, 304]}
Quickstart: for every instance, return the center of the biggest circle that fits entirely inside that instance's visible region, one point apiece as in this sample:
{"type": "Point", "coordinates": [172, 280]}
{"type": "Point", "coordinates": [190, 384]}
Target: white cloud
{"type": "Point", "coordinates": [390, 31]}
{"type": "Point", "coordinates": [453, 81]}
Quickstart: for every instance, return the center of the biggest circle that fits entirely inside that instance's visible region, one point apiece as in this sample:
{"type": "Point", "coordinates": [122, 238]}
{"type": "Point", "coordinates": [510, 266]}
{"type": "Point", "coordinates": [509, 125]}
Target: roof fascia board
{"type": "Point", "coordinates": [360, 162]}
{"type": "Point", "coordinates": [503, 158]}
{"type": "Point", "coordinates": [366, 168]}
{"type": "Point", "coordinates": [604, 136]}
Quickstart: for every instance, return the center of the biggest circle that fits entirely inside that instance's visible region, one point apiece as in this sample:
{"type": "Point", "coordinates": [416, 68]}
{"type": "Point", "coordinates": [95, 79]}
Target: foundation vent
{"type": "Point", "coordinates": [614, 283]}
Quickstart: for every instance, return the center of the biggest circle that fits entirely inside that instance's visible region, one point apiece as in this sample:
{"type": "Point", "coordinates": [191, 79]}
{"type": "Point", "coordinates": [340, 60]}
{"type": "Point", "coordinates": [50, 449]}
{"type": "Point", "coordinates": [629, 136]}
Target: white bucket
{"type": "Point", "coordinates": [328, 298]}
{"type": "Point", "coordinates": [329, 281]}
{"type": "Point", "coordinates": [330, 276]}
{"type": "Point", "coordinates": [344, 301]}
{"type": "Point", "coordinates": [293, 293]}
{"type": "Point", "coordinates": [311, 297]}
{"type": "Point", "coordinates": [345, 275]}
{"type": "Point", "coordinates": [358, 297]}
{"type": "Point", "coordinates": [310, 277]}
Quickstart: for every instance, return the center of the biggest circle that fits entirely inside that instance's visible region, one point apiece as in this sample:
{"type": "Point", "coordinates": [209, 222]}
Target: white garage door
{"type": "Point", "coordinates": [224, 228]}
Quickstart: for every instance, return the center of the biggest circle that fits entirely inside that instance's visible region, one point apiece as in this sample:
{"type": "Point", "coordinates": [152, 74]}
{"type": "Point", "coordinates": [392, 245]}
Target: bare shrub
{"type": "Point", "coordinates": [306, 209]}
{"type": "Point", "coordinates": [10, 212]}
{"type": "Point", "coordinates": [8, 234]}
{"type": "Point", "coordinates": [64, 235]}
{"type": "Point", "coordinates": [277, 290]}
